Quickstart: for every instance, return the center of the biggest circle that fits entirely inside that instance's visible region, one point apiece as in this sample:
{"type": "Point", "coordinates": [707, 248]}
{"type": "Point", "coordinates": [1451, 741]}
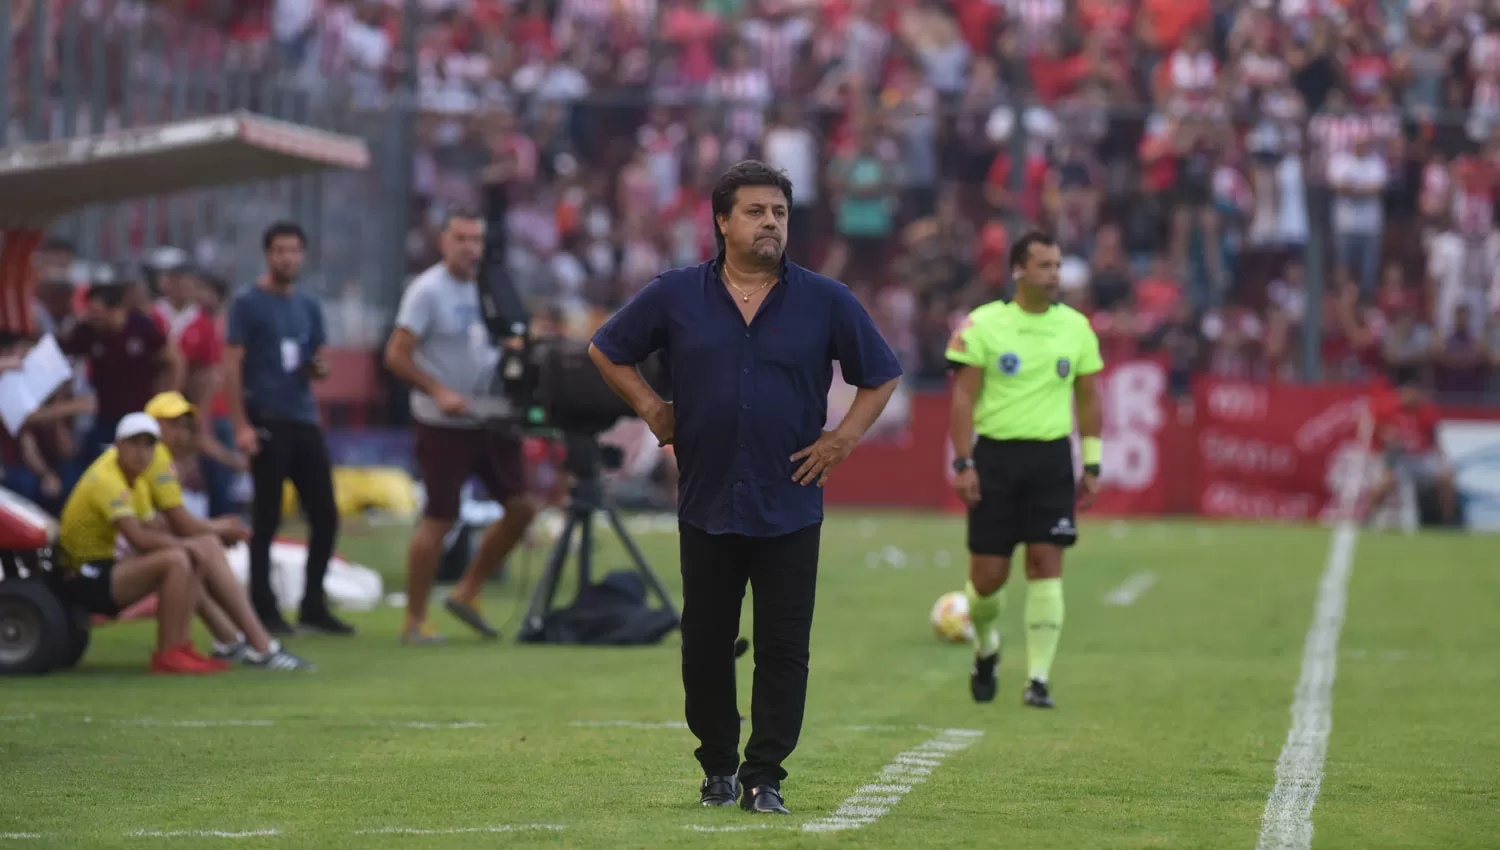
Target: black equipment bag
{"type": "Point", "coordinates": [612, 612]}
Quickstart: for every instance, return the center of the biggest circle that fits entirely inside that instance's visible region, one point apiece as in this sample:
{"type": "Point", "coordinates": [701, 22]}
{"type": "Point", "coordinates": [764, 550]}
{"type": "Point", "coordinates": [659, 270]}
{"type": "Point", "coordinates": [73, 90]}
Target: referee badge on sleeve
{"type": "Point", "coordinates": [1064, 366]}
{"type": "Point", "coordinates": [1010, 363]}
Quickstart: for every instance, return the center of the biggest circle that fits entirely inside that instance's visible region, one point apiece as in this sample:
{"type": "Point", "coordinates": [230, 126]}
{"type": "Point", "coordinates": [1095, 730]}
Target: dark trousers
{"type": "Point", "coordinates": [218, 479]}
{"type": "Point", "coordinates": [783, 573]}
{"type": "Point", "coordinates": [295, 451]}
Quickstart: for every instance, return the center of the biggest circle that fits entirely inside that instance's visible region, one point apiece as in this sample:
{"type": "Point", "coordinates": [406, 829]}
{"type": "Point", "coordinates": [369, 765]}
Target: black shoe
{"type": "Point", "coordinates": [275, 624]}
{"type": "Point", "coordinates": [765, 799]}
{"type": "Point", "coordinates": [324, 623]}
{"type": "Point", "coordinates": [719, 790]}
{"type": "Point", "coordinates": [1036, 695]}
{"type": "Point", "coordinates": [982, 680]}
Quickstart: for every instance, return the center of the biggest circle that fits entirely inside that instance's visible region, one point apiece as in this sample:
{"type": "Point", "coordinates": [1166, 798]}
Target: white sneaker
{"type": "Point", "coordinates": [234, 653]}
{"type": "Point", "coordinates": [277, 659]}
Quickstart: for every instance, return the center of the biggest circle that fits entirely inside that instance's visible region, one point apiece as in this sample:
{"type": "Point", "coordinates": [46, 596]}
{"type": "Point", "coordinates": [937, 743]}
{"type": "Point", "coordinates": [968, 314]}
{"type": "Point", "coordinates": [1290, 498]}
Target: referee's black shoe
{"type": "Point", "coordinates": [719, 790]}
{"type": "Point", "coordinates": [764, 799]}
{"type": "Point", "coordinates": [1036, 695]}
{"type": "Point", "coordinates": [982, 679]}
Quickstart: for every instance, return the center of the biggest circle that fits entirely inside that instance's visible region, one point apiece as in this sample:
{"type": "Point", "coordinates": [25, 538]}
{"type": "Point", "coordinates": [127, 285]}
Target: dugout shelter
{"type": "Point", "coordinates": [39, 183]}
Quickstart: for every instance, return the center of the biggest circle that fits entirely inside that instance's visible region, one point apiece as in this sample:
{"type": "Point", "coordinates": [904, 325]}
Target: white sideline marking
{"type": "Point", "coordinates": [185, 724]}
{"type": "Point", "coordinates": [201, 833]}
{"type": "Point", "coordinates": [695, 827]}
{"type": "Point", "coordinates": [230, 722]}
{"type": "Point", "coordinates": [461, 830]}
{"type": "Point", "coordinates": [873, 801]}
{"type": "Point", "coordinates": [922, 752]}
{"type": "Point", "coordinates": [630, 724]}
{"type": "Point", "coordinates": [422, 724]}
{"type": "Point", "coordinates": [18, 836]}
{"type": "Point", "coordinates": [1287, 822]}
{"type": "Point", "coordinates": [1131, 589]}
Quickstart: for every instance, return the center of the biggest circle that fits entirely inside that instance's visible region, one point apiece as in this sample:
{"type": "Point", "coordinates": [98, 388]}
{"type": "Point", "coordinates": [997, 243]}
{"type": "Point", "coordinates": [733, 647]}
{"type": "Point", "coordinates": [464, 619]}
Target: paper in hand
{"type": "Point", "coordinates": [23, 391]}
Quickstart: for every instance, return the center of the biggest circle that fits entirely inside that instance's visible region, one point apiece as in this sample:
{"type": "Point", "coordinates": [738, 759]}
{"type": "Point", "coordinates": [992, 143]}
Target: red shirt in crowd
{"type": "Point", "coordinates": [1170, 20]}
{"type": "Point", "coordinates": [1055, 76]}
{"type": "Point", "coordinates": [1030, 201]}
{"type": "Point", "coordinates": [197, 335]}
{"type": "Point", "coordinates": [1399, 426]}
{"type": "Point", "coordinates": [1111, 16]}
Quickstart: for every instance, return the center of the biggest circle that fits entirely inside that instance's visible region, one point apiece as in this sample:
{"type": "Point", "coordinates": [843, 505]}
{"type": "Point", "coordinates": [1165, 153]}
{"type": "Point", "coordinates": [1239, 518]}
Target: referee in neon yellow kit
{"type": "Point", "coordinates": [1019, 367]}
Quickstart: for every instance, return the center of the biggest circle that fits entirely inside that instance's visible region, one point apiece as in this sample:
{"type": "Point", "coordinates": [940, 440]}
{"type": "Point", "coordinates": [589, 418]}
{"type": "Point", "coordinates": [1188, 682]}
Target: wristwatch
{"type": "Point", "coordinates": [962, 463]}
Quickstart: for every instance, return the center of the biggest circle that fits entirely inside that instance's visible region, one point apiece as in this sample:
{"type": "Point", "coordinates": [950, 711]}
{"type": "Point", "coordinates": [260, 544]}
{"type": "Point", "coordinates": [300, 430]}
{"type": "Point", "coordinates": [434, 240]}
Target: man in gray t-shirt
{"type": "Point", "coordinates": [441, 347]}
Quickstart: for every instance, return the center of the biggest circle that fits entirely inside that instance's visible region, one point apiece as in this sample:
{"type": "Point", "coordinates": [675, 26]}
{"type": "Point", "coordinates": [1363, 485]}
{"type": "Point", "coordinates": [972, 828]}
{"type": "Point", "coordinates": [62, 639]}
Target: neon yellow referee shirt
{"type": "Point", "coordinates": [1029, 363]}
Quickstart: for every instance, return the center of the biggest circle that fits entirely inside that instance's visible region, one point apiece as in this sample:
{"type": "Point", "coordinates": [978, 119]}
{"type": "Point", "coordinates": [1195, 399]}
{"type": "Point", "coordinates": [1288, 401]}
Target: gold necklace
{"type": "Point", "coordinates": [745, 296]}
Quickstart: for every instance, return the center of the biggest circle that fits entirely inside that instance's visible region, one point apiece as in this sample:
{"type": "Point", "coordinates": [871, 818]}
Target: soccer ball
{"type": "Point", "coordinates": [950, 618]}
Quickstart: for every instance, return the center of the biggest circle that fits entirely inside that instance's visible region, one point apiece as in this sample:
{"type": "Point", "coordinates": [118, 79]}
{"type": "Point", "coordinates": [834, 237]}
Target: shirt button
{"type": "Point", "coordinates": [747, 370]}
{"type": "Point", "coordinates": [747, 334]}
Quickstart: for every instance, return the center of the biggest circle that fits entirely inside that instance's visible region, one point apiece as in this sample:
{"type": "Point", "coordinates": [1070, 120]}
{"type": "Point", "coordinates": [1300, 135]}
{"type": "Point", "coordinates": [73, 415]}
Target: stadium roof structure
{"type": "Point", "coordinates": [42, 181]}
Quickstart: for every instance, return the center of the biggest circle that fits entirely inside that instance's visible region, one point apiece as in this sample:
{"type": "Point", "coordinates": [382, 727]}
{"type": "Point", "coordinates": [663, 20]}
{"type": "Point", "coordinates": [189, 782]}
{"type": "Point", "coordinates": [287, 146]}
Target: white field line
{"type": "Point", "coordinates": [1131, 589]}
{"type": "Point", "coordinates": [184, 724]}
{"type": "Point", "coordinates": [213, 723]}
{"type": "Point", "coordinates": [697, 827]}
{"type": "Point", "coordinates": [232, 722]}
{"type": "Point", "coordinates": [1287, 821]}
{"type": "Point", "coordinates": [628, 724]}
{"type": "Point", "coordinates": [873, 801]}
{"type": "Point", "coordinates": [201, 833]}
{"type": "Point", "coordinates": [272, 833]}
{"type": "Point", "coordinates": [406, 830]}
{"type": "Point", "coordinates": [678, 724]}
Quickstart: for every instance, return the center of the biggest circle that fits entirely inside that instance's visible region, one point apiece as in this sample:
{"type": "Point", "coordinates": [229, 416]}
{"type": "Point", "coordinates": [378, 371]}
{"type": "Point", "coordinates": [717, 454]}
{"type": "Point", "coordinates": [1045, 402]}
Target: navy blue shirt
{"type": "Point", "coordinates": [747, 398]}
{"type": "Point", "coordinates": [280, 335]}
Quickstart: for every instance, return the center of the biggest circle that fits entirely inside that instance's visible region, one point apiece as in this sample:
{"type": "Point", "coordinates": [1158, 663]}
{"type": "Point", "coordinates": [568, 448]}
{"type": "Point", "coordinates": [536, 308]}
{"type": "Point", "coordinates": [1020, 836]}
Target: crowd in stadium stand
{"type": "Point", "coordinates": [1184, 151]}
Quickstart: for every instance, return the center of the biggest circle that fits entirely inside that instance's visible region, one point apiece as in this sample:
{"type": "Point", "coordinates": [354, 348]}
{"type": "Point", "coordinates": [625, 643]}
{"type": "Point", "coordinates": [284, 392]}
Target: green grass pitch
{"type": "Point", "coordinates": [1172, 713]}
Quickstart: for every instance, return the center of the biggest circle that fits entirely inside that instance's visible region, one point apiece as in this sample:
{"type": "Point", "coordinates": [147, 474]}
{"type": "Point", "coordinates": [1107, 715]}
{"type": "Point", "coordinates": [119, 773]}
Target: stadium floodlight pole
{"type": "Point", "coordinates": [1317, 284]}
{"type": "Point", "coordinates": [5, 11]}
{"type": "Point", "coordinates": [400, 164]}
{"type": "Point", "coordinates": [1017, 177]}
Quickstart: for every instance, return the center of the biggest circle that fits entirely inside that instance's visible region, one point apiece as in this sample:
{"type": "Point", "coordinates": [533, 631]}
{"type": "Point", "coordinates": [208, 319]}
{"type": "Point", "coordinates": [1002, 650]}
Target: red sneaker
{"type": "Point", "coordinates": [176, 662]}
{"type": "Point", "coordinates": [215, 665]}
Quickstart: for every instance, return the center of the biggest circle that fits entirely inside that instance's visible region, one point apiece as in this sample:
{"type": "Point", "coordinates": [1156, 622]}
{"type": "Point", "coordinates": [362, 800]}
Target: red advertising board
{"type": "Point", "coordinates": [1274, 451]}
{"type": "Point", "coordinates": [1233, 449]}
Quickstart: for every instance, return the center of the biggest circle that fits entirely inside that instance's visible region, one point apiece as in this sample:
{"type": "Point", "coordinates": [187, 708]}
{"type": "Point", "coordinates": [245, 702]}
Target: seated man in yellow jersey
{"type": "Point", "coordinates": [1021, 365]}
{"type": "Point", "coordinates": [105, 506]}
{"type": "Point", "coordinates": [239, 635]}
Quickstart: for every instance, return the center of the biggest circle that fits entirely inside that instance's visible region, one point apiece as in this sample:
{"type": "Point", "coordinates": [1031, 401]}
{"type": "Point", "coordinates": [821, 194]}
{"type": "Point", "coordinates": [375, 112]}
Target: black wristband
{"type": "Point", "coordinates": [963, 464]}
{"type": "Point", "coordinates": [1091, 469]}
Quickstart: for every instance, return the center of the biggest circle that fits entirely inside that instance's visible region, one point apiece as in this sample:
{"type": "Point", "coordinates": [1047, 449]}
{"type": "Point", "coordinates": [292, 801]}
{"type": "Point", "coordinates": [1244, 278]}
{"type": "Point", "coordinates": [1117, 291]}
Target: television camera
{"type": "Point", "coordinates": [548, 385]}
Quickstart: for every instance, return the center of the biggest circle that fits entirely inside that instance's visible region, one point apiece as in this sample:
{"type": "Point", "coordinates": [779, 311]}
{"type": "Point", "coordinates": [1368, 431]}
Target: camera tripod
{"type": "Point", "coordinates": [585, 460]}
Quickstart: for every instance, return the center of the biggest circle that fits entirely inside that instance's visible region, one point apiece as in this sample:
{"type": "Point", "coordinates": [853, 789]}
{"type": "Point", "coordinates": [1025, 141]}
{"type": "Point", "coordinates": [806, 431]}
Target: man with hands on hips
{"type": "Point", "coordinates": [750, 339]}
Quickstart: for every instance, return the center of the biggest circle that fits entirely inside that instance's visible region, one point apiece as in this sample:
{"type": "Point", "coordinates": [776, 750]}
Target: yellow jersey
{"type": "Point", "coordinates": [162, 491]}
{"type": "Point", "coordinates": [86, 531]}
